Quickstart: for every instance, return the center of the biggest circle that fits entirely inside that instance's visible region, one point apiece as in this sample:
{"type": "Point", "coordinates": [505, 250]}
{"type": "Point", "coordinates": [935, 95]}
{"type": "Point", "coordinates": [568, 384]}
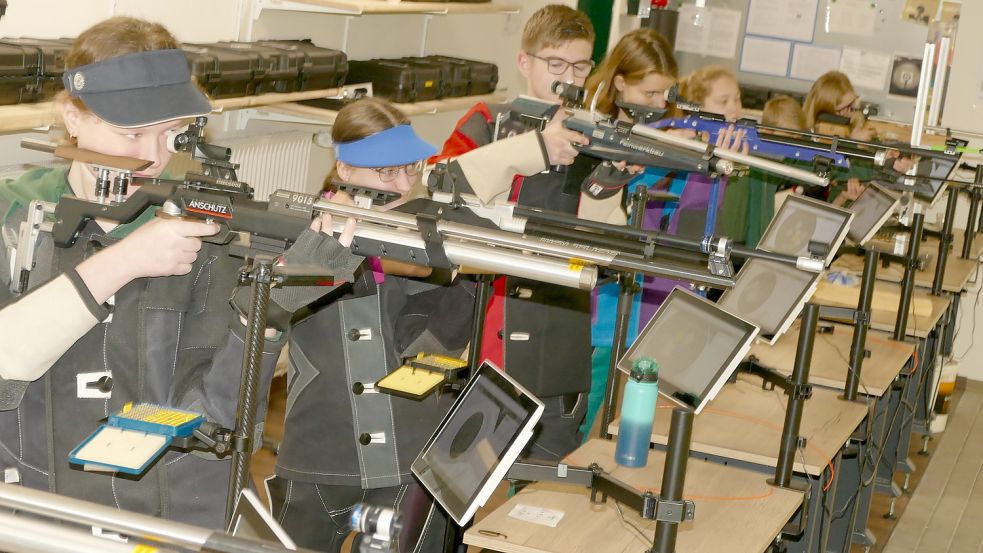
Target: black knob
{"type": "Point", "coordinates": [358, 388]}
{"type": "Point", "coordinates": [104, 384]}
{"type": "Point", "coordinates": [364, 438]}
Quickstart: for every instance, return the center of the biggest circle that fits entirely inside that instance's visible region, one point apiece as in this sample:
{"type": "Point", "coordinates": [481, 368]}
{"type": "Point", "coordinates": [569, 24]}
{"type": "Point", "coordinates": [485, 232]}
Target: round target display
{"type": "Point", "coordinates": [795, 232]}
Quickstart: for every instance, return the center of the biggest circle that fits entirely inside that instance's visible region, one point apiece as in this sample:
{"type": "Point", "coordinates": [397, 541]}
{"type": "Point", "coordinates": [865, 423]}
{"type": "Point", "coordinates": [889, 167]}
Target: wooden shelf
{"type": "Point", "coordinates": [22, 117]}
{"type": "Point", "coordinates": [737, 511]}
{"type": "Point", "coordinates": [367, 7]}
{"type": "Point", "coordinates": [272, 98]}
{"type": "Point", "coordinates": [327, 116]}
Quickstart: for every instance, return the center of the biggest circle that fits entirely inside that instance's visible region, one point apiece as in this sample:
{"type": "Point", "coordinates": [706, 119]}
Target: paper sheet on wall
{"type": "Point", "coordinates": [810, 62]}
{"type": "Point", "coordinates": [866, 69]}
{"type": "Point", "coordinates": [979, 84]}
{"type": "Point", "coordinates": [716, 37]}
{"type": "Point", "coordinates": [789, 19]}
{"type": "Point", "coordinates": [765, 55]}
{"type": "Point", "coordinates": [850, 17]}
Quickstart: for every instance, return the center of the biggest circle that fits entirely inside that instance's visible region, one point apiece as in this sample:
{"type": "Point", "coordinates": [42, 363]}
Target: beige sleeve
{"type": "Point", "coordinates": [603, 211]}
{"type": "Point", "coordinates": [40, 327]}
{"type": "Point", "coordinates": [491, 168]}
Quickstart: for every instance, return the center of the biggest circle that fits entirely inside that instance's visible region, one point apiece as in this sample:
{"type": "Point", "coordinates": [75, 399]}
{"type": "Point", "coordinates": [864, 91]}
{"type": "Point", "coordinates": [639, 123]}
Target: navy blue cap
{"type": "Point", "coordinates": [140, 89]}
{"type": "Point", "coordinates": [392, 147]}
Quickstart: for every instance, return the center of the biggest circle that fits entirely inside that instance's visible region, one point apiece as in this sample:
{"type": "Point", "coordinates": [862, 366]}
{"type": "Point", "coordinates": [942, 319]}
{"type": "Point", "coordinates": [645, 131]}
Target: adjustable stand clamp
{"type": "Point", "coordinates": [772, 379]}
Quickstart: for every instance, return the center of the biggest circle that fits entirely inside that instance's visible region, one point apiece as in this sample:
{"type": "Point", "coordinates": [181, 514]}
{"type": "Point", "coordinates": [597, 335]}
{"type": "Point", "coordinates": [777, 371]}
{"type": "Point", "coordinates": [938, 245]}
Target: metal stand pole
{"type": "Point", "coordinates": [242, 437]}
{"type": "Point", "coordinates": [797, 395]}
{"type": "Point", "coordinates": [908, 283]}
{"type": "Point", "coordinates": [482, 293]}
{"type": "Point", "coordinates": [626, 296]}
{"type": "Point", "coordinates": [673, 477]}
{"type": "Point", "coordinates": [974, 206]}
{"type": "Point", "coordinates": [945, 242]}
{"type": "Point", "coordinates": [862, 324]}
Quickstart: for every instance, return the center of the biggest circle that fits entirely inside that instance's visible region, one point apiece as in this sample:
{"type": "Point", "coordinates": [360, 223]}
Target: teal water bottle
{"type": "Point", "coordinates": [638, 414]}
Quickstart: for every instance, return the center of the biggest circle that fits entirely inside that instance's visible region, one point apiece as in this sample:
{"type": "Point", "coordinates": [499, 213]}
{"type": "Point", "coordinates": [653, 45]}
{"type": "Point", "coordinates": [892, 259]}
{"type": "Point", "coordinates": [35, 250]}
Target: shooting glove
{"type": "Point", "coordinates": [313, 253]}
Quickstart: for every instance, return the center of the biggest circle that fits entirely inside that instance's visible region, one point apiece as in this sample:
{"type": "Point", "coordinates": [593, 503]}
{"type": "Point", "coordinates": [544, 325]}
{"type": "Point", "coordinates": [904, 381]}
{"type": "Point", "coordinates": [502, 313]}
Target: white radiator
{"type": "Point", "coordinates": [270, 162]}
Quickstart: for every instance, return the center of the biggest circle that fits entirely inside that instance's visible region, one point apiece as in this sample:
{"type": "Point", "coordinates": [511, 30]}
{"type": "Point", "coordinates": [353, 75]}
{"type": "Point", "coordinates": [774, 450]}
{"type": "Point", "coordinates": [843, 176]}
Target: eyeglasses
{"type": "Point", "coordinates": [852, 105]}
{"type": "Point", "coordinates": [558, 66]}
{"type": "Point", "coordinates": [389, 174]}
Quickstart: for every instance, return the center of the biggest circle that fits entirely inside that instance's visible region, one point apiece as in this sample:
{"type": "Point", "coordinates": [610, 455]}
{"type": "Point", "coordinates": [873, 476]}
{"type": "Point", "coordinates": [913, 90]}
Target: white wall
{"type": "Point", "coordinates": [488, 37]}
{"type": "Point", "coordinates": [964, 103]}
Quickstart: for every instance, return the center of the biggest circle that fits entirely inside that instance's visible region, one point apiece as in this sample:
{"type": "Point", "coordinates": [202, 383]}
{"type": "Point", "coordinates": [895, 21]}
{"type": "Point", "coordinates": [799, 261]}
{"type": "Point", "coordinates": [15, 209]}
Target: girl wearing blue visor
{"type": "Point", "coordinates": [130, 313]}
{"type": "Point", "coordinates": [344, 442]}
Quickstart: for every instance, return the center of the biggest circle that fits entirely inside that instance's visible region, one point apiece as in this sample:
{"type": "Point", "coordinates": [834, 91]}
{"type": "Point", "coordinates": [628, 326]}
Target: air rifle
{"type": "Point", "coordinates": [449, 186]}
{"type": "Point", "coordinates": [784, 145]}
{"type": "Point", "coordinates": [422, 234]}
{"type": "Point", "coordinates": [638, 143]}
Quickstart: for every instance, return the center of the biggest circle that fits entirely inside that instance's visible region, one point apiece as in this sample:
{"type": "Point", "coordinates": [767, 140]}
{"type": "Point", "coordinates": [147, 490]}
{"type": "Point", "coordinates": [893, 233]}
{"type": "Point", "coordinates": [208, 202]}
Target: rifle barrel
{"type": "Point", "coordinates": [737, 157]}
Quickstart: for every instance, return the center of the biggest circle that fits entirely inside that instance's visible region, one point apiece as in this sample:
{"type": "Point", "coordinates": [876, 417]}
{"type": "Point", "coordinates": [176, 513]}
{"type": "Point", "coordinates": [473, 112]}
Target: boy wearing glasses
{"type": "Point", "coordinates": [538, 333]}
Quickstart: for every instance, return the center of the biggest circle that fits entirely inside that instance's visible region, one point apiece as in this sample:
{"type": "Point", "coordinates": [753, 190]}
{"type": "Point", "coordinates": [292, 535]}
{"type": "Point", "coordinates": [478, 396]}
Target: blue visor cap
{"type": "Point", "coordinates": [136, 90]}
{"type": "Point", "coordinates": [389, 148]}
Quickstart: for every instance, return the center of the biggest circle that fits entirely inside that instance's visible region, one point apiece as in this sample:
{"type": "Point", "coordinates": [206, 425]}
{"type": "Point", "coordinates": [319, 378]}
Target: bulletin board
{"type": "Point", "coordinates": [777, 50]}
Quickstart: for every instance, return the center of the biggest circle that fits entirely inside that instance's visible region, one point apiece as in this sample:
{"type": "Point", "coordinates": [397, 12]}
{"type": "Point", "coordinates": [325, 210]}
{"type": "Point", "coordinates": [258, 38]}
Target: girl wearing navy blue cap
{"type": "Point", "coordinates": [344, 442]}
{"type": "Point", "coordinates": [130, 313]}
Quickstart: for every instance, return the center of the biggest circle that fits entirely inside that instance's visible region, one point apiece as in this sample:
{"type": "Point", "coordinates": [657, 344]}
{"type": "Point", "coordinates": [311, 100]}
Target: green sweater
{"type": "Point", "coordinates": [749, 206]}
{"type": "Point", "coordinates": [861, 169]}
{"type": "Point", "coordinates": [49, 184]}
{"type": "Point", "coordinates": [749, 201]}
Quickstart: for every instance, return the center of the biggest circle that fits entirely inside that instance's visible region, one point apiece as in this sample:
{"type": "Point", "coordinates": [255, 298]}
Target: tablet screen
{"type": "Point", "coordinates": [696, 344]}
{"type": "Point", "coordinates": [769, 294]}
{"type": "Point", "coordinates": [870, 211]}
{"type": "Point", "coordinates": [476, 443]}
{"type": "Point", "coordinates": [802, 220]}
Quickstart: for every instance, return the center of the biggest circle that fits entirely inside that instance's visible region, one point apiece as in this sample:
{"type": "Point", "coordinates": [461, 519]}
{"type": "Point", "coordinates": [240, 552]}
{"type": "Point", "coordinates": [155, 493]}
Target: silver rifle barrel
{"type": "Point", "coordinates": [737, 157]}
{"type": "Point", "coordinates": [543, 246]}
{"type": "Point", "coordinates": [487, 258]}
{"type": "Point", "coordinates": [673, 270]}
{"type": "Point", "coordinates": [108, 518]}
{"type": "Point", "coordinates": [147, 528]}
{"type": "Point", "coordinates": [572, 256]}
{"type": "Point", "coordinates": [21, 534]}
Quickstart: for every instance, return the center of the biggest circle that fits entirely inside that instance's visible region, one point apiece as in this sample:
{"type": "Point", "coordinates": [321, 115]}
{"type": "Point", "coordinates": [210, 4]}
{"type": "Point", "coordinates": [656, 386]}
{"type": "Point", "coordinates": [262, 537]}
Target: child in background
{"type": "Point", "coordinates": [713, 88]}
{"type": "Point", "coordinates": [696, 212]}
{"type": "Point", "coordinates": [785, 112]}
{"type": "Point", "coordinates": [833, 94]}
{"type": "Point", "coordinates": [639, 70]}
{"type": "Point", "coordinates": [343, 442]}
{"type": "Point", "coordinates": [538, 333]}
